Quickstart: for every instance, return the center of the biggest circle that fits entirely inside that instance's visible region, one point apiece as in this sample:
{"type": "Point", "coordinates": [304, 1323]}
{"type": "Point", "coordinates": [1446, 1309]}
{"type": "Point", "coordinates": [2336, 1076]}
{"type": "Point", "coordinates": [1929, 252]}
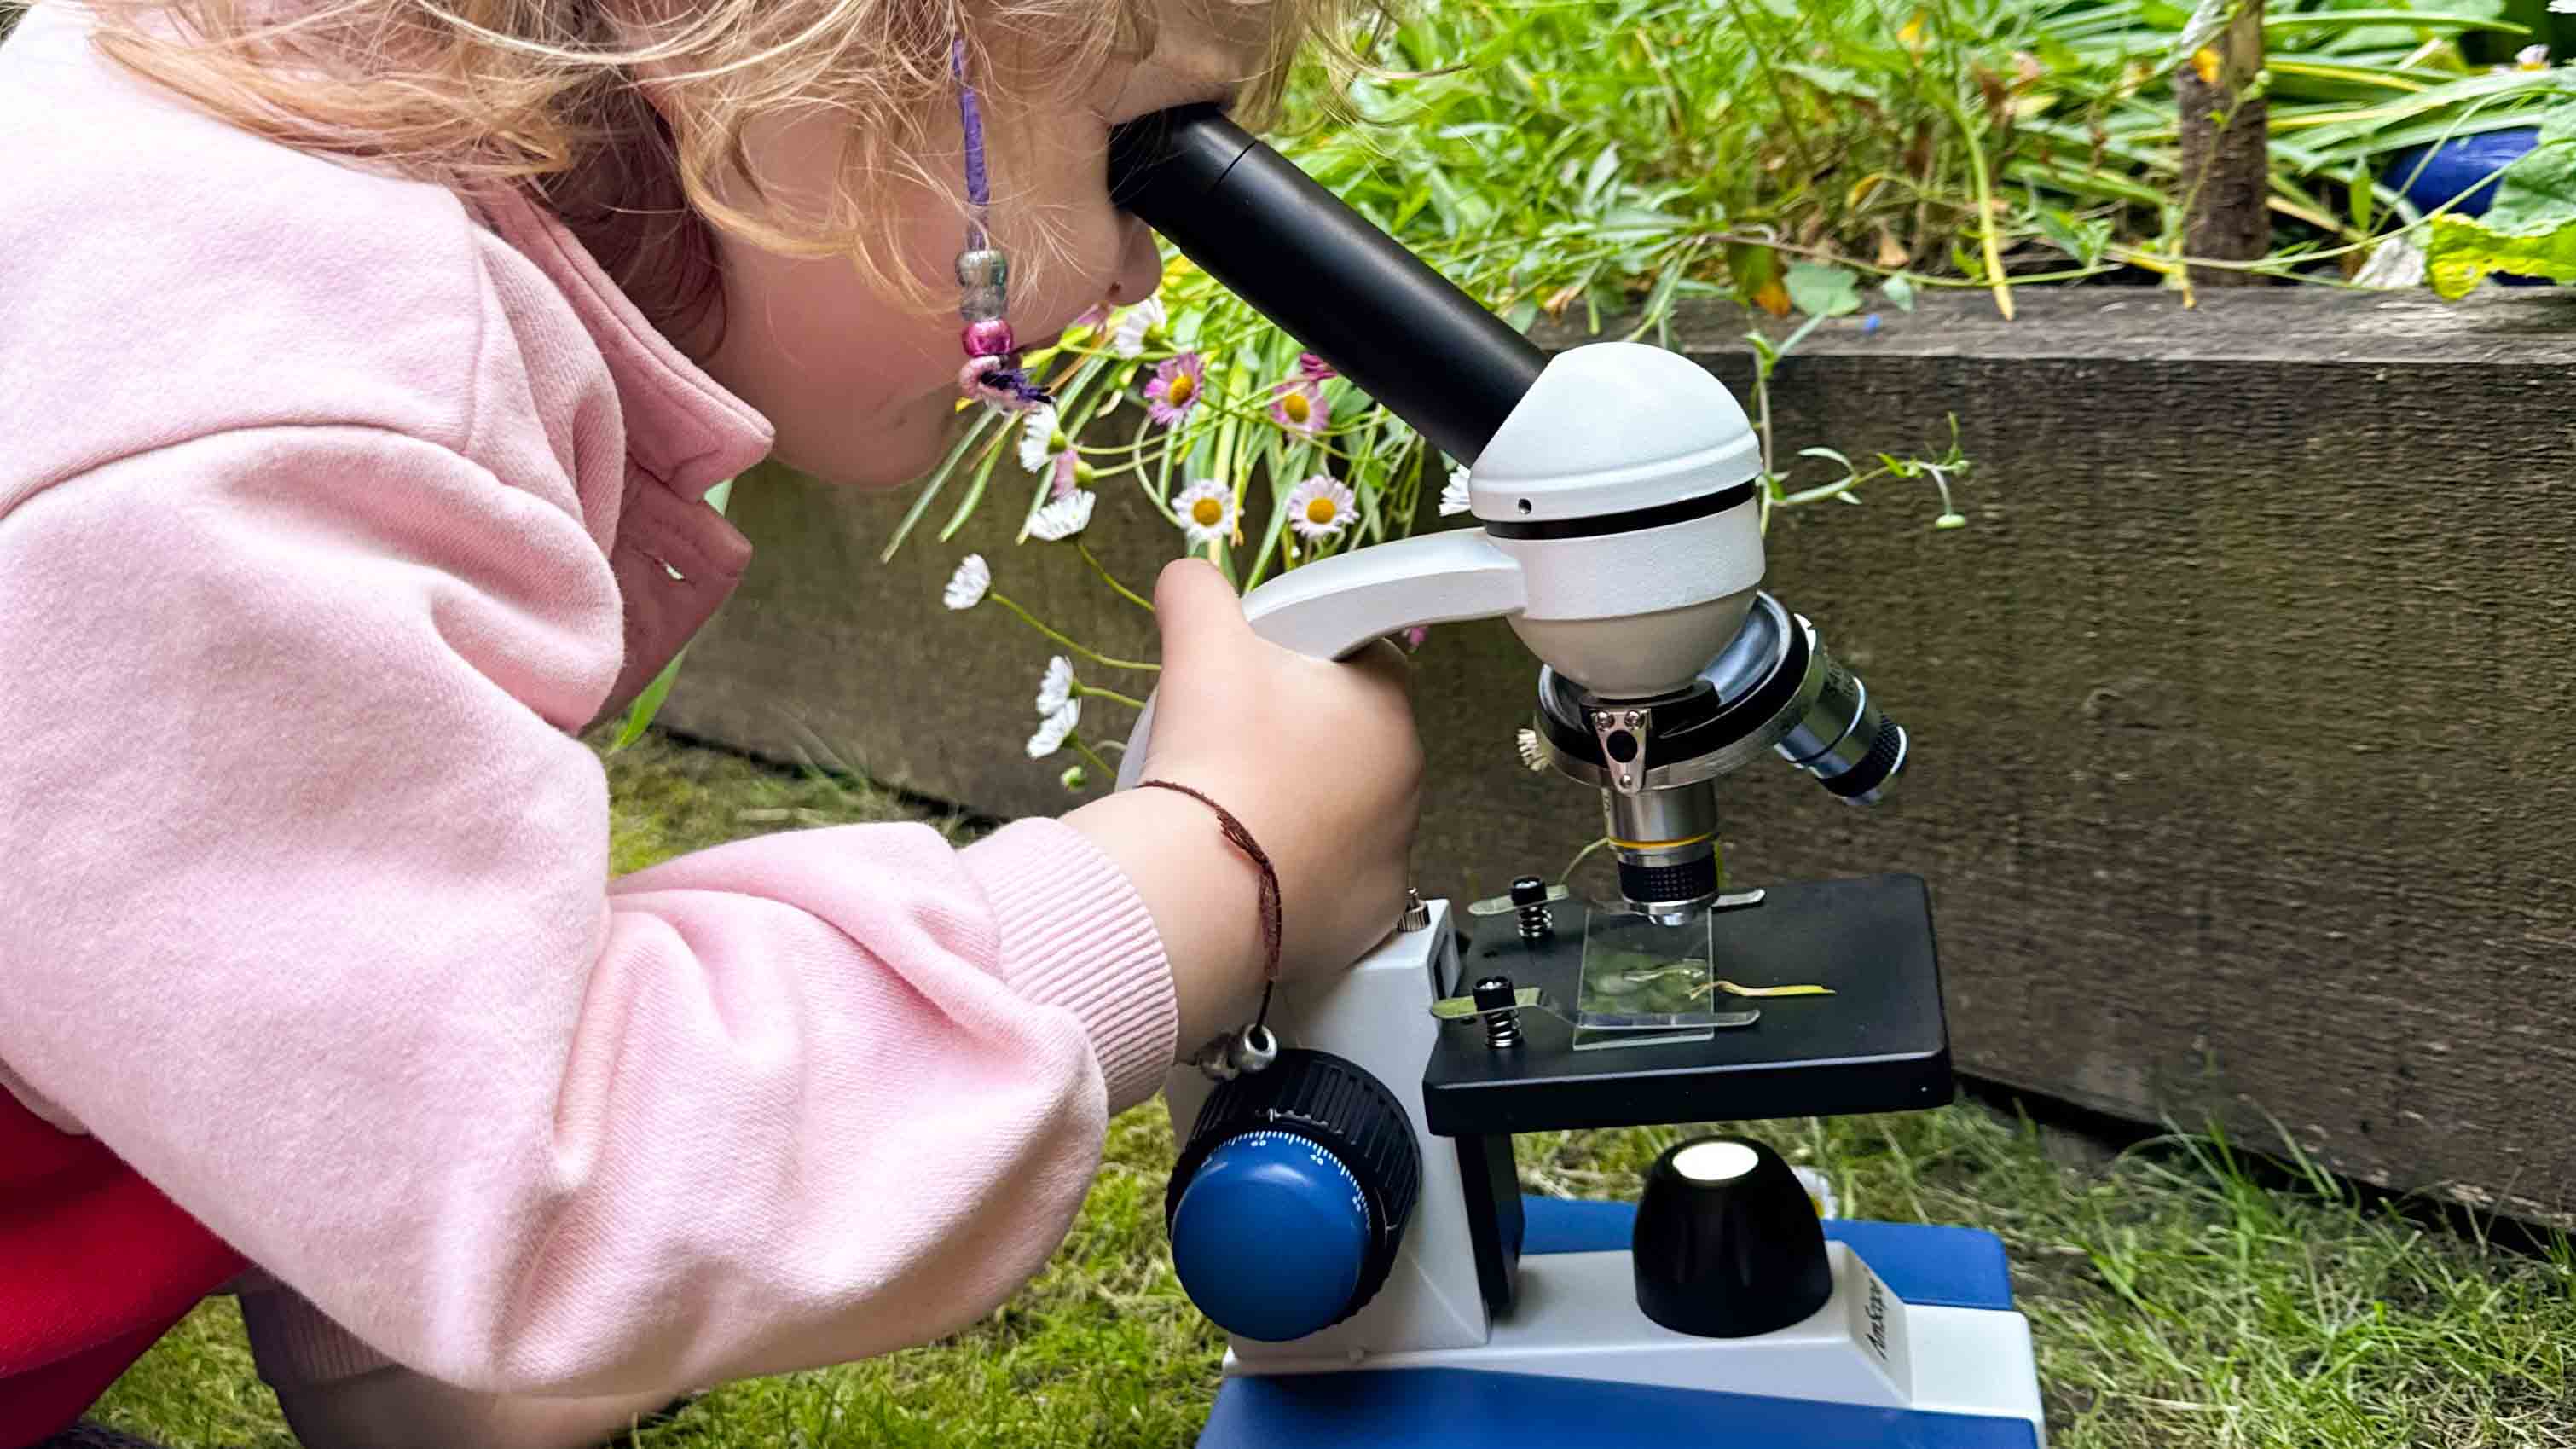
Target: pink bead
{"type": "Point", "coordinates": [988, 339]}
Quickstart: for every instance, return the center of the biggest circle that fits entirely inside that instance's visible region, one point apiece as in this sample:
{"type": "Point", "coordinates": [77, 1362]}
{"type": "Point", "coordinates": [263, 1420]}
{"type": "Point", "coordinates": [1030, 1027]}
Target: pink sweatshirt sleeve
{"type": "Point", "coordinates": [308, 917]}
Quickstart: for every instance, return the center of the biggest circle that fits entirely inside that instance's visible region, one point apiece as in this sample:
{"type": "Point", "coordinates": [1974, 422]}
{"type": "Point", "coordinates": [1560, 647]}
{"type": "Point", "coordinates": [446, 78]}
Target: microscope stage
{"type": "Point", "coordinates": [1878, 1044]}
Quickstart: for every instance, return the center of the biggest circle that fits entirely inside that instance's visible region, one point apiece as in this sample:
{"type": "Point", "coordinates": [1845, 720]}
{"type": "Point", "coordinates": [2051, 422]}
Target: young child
{"type": "Point", "coordinates": [364, 365]}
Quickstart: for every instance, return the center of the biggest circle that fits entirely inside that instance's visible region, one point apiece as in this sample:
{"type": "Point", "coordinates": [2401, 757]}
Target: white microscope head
{"type": "Point", "coordinates": [1624, 486]}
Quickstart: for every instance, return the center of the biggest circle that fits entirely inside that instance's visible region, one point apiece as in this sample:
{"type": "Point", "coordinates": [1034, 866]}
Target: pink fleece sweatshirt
{"type": "Point", "coordinates": [329, 509]}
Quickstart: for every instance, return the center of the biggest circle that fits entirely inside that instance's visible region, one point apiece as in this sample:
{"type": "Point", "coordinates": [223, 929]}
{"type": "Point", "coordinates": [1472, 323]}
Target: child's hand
{"type": "Point", "coordinates": [1319, 761]}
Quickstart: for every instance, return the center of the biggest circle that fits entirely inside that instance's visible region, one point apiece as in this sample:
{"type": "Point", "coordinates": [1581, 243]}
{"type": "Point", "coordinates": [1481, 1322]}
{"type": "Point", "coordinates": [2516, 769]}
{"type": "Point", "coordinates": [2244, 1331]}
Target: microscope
{"type": "Point", "coordinates": [1345, 1203]}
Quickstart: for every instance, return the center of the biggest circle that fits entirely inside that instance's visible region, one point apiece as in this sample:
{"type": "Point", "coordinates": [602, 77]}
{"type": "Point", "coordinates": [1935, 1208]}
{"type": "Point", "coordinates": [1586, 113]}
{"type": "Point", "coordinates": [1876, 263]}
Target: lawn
{"type": "Point", "coordinates": [2180, 1293]}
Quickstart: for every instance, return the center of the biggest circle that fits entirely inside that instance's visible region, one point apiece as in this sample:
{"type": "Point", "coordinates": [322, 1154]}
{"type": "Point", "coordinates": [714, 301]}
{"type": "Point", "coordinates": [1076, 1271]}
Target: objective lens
{"type": "Point", "coordinates": [1843, 739]}
{"type": "Point", "coordinates": [1665, 842]}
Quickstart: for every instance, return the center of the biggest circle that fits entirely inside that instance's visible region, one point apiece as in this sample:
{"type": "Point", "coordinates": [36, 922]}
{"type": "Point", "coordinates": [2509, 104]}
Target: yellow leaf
{"type": "Point", "coordinates": [1773, 298]}
{"type": "Point", "coordinates": [1731, 987]}
{"type": "Point", "coordinates": [2205, 61]}
{"type": "Point", "coordinates": [1863, 189]}
{"type": "Point", "coordinates": [1912, 34]}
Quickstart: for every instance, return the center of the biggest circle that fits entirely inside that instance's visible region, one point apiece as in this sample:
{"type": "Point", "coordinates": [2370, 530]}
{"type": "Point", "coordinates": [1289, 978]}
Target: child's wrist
{"type": "Point", "coordinates": [1204, 896]}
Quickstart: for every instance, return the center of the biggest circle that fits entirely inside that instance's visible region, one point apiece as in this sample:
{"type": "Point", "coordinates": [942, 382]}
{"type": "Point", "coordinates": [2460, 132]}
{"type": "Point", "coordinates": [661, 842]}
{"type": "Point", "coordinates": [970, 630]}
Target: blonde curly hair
{"type": "Point", "coordinates": [544, 94]}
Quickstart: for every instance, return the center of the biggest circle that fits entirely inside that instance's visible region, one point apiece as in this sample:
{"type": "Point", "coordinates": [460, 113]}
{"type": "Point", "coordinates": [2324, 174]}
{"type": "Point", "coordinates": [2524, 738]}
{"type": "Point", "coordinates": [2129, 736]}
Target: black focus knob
{"type": "Point", "coordinates": [1291, 1196]}
{"type": "Point", "coordinates": [1727, 1241]}
{"type": "Point", "coordinates": [1529, 890]}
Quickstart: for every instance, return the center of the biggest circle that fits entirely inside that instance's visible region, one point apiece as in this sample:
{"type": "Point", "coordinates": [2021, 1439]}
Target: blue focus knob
{"type": "Point", "coordinates": [1290, 1198]}
{"type": "Point", "coordinates": [1270, 1237]}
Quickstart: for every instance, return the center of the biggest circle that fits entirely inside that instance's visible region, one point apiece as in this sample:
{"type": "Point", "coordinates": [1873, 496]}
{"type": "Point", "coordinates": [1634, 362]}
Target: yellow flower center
{"type": "Point", "coordinates": [1295, 406]}
{"type": "Point", "coordinates": [1320, 511]}
{"type": "Point", "coordinates": [1181, 388]}
{"type": "Point", "coordinates": [1207, 513]}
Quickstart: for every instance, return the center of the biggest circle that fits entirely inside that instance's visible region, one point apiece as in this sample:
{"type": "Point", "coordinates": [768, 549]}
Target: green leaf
{"type": "Point", "coordinates": [1605, 168]}
{"type": "Point", "coordinates": [2539, 190]}
{"type": "Point", "coordinates": [2464, 252]}
{"type": "Point", "coordinates": [1899, 292]}
{"type": "Point", "coordinates": [2081, 239]}
{"type": "Point", "coordinates": [1831, 79]}
{"type": "Point", "coordinates": [1823, 291]}
{"type": "Point", "coordinates": [640, 714]}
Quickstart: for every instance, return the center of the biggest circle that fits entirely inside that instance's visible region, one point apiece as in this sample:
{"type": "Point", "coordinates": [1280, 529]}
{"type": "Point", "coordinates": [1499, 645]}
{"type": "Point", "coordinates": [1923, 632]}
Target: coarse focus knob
{"type": "Point", "coordinates": [1290, 1198]}
{"type": "Point", "coordinates": [1727, 1241]}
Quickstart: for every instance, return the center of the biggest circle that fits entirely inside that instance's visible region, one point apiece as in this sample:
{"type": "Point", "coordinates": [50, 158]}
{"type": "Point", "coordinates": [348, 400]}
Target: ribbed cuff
{"type": "Point", "coordinates": [1075, 934]}
{"type": "Point", "coordinates": [296, 1346]}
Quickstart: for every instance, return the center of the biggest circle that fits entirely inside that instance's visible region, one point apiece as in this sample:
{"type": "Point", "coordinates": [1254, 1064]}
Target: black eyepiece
{"type": "Point", "coordinates": [1401, 332]}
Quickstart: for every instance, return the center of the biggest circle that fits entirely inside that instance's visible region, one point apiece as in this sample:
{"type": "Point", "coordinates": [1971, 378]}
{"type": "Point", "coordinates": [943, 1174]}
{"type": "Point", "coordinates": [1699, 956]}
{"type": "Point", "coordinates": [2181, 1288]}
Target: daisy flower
{"type": "Point", "coordinates": [1143, 318]}
{"type": "Point", "coordinates": [1453, 499]}
{"type": "Point", "coordinates": [1531, 755]}
{"type": "Point", "coordinates": [1316, 369]}
{"type": "Point", "coordinates": [966, 586]}
{"type": "Point", "coordinates": [1301, 407]}
{"type": "Point", "coordinates": [1321, 507]}
{"type": "Point", "coordinates": [1040, 440]}
{"type": "Point", "coordinates": [1206, 510]}
{"type": "Point", "coordinates": [2532, 57]}
{"type": "Point", "coordinates": [1175, 388]}
{"type": "Point", "coordinates": [1055, 687]}
{"type": "Point", "coordinates": [1063, 519]}
{"type": "Point", "coordinates": [1053, 729]}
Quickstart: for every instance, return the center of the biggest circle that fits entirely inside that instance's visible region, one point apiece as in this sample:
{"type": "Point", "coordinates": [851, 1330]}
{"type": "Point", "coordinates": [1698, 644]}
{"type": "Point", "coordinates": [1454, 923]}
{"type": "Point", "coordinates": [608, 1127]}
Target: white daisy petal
{"type": "Point", "coordinates": [1321, 507]}
{"type": "Point", "coordinates": [2532, 57]}
{"type": "Point", "coordinates": [1055, 687]}
{"type": "Point", "coordinates": [1531, 755]}
{"type": "Point", "coordinates": [1063, 518]}
{"type": "Point", "coordinates": [966, 586]}
{"type": "Point", "coordinates": [1037, 440]}
{"type": "Point", "coordinates": [1144, 317]}
{"type": "Point", "coordinates": [2562, 7]}
{"type": "Point", "coordinates": [1053, 729]}
{"type": "Point", "coordinates": [1453, 499]}
{"type": "Point", "coordinates": [1213, 500]}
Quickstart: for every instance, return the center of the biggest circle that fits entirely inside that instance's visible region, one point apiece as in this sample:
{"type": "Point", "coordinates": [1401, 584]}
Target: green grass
{"type": "Point", "coordinates": [2180, 1294]}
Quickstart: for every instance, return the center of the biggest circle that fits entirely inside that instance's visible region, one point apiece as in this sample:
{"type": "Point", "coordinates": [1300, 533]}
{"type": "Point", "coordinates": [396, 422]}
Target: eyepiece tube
{"type": "Point", "coordinates": [1398, 330]}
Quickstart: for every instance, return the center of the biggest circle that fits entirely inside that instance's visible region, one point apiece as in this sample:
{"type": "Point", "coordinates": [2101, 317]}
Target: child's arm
{"type": "Point", "coordinates": [308, 916]}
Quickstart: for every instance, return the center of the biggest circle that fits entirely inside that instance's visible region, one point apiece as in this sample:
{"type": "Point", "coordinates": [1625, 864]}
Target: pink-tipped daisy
{"type": "Point", "coordinates": [1205, 510]}
{"type": "Point", "coordinates": [1068, 476]}
{"type": "Point", "coordinates": [1321, 507]}
{"type": "Point", "coordinates": [1301, 407]}
{"type": "Point", "coordinates": [1175, 388]}
{"type": "Point", "coordinates": [1091, 320]}
{"type": "Point", "coordinates": [1313, 368]}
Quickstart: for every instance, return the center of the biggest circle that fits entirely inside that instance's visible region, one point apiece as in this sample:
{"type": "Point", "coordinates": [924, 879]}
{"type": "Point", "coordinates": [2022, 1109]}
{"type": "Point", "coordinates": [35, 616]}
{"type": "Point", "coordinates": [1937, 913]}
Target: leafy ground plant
{"type": "Point", "coordinates": [2183, 1295]}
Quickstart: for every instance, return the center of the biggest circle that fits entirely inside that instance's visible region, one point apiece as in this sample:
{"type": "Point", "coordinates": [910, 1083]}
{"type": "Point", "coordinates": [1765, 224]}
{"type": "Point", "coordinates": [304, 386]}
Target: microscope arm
{"type": "Point", "coordinates": [1333, 607]}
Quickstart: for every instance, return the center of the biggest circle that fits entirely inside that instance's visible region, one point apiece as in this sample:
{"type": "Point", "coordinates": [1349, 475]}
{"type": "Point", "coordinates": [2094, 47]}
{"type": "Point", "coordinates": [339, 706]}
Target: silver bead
{"type": "Point", "coordinates": [983, 267]}
{"type": "Point", "coordinates": [1253, 1049]}
{"type": "Point", "coordinates": [982, 304]}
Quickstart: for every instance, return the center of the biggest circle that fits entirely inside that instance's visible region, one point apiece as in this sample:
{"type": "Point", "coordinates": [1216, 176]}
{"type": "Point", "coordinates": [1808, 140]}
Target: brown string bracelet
{"type": "Point", "coordinates": [1242, 840]}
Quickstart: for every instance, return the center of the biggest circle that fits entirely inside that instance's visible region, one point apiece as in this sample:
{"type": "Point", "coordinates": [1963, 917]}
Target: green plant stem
{"type": "Point", "coordinates": [1113, 696]}
{"type": "Point", "coordinates": [1097, 763]}
{"type": "Point", "coordinates": [1094, 655]}
{"type": "Point", "coordinates": [1581, 856]}
{"type": "Point", "coordinates": [1106, 577]}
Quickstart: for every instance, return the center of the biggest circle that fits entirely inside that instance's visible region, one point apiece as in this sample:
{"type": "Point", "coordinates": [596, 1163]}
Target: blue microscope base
{"type": "Point", "coordinates": [1462, 1409]}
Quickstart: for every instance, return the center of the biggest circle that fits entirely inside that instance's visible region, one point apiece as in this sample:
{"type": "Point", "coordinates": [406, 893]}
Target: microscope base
{"type": "Point", "coordinates": [1947, 1365]}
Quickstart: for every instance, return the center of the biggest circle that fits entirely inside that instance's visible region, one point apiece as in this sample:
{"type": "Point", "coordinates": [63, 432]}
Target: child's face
{"type": "Point", "coordinates": [862, 390]}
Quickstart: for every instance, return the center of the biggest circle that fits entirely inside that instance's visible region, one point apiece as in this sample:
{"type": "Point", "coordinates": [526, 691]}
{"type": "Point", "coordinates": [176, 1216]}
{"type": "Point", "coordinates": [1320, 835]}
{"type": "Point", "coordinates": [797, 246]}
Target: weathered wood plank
{"type": "Point", "coordinates": [2245, 709]}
